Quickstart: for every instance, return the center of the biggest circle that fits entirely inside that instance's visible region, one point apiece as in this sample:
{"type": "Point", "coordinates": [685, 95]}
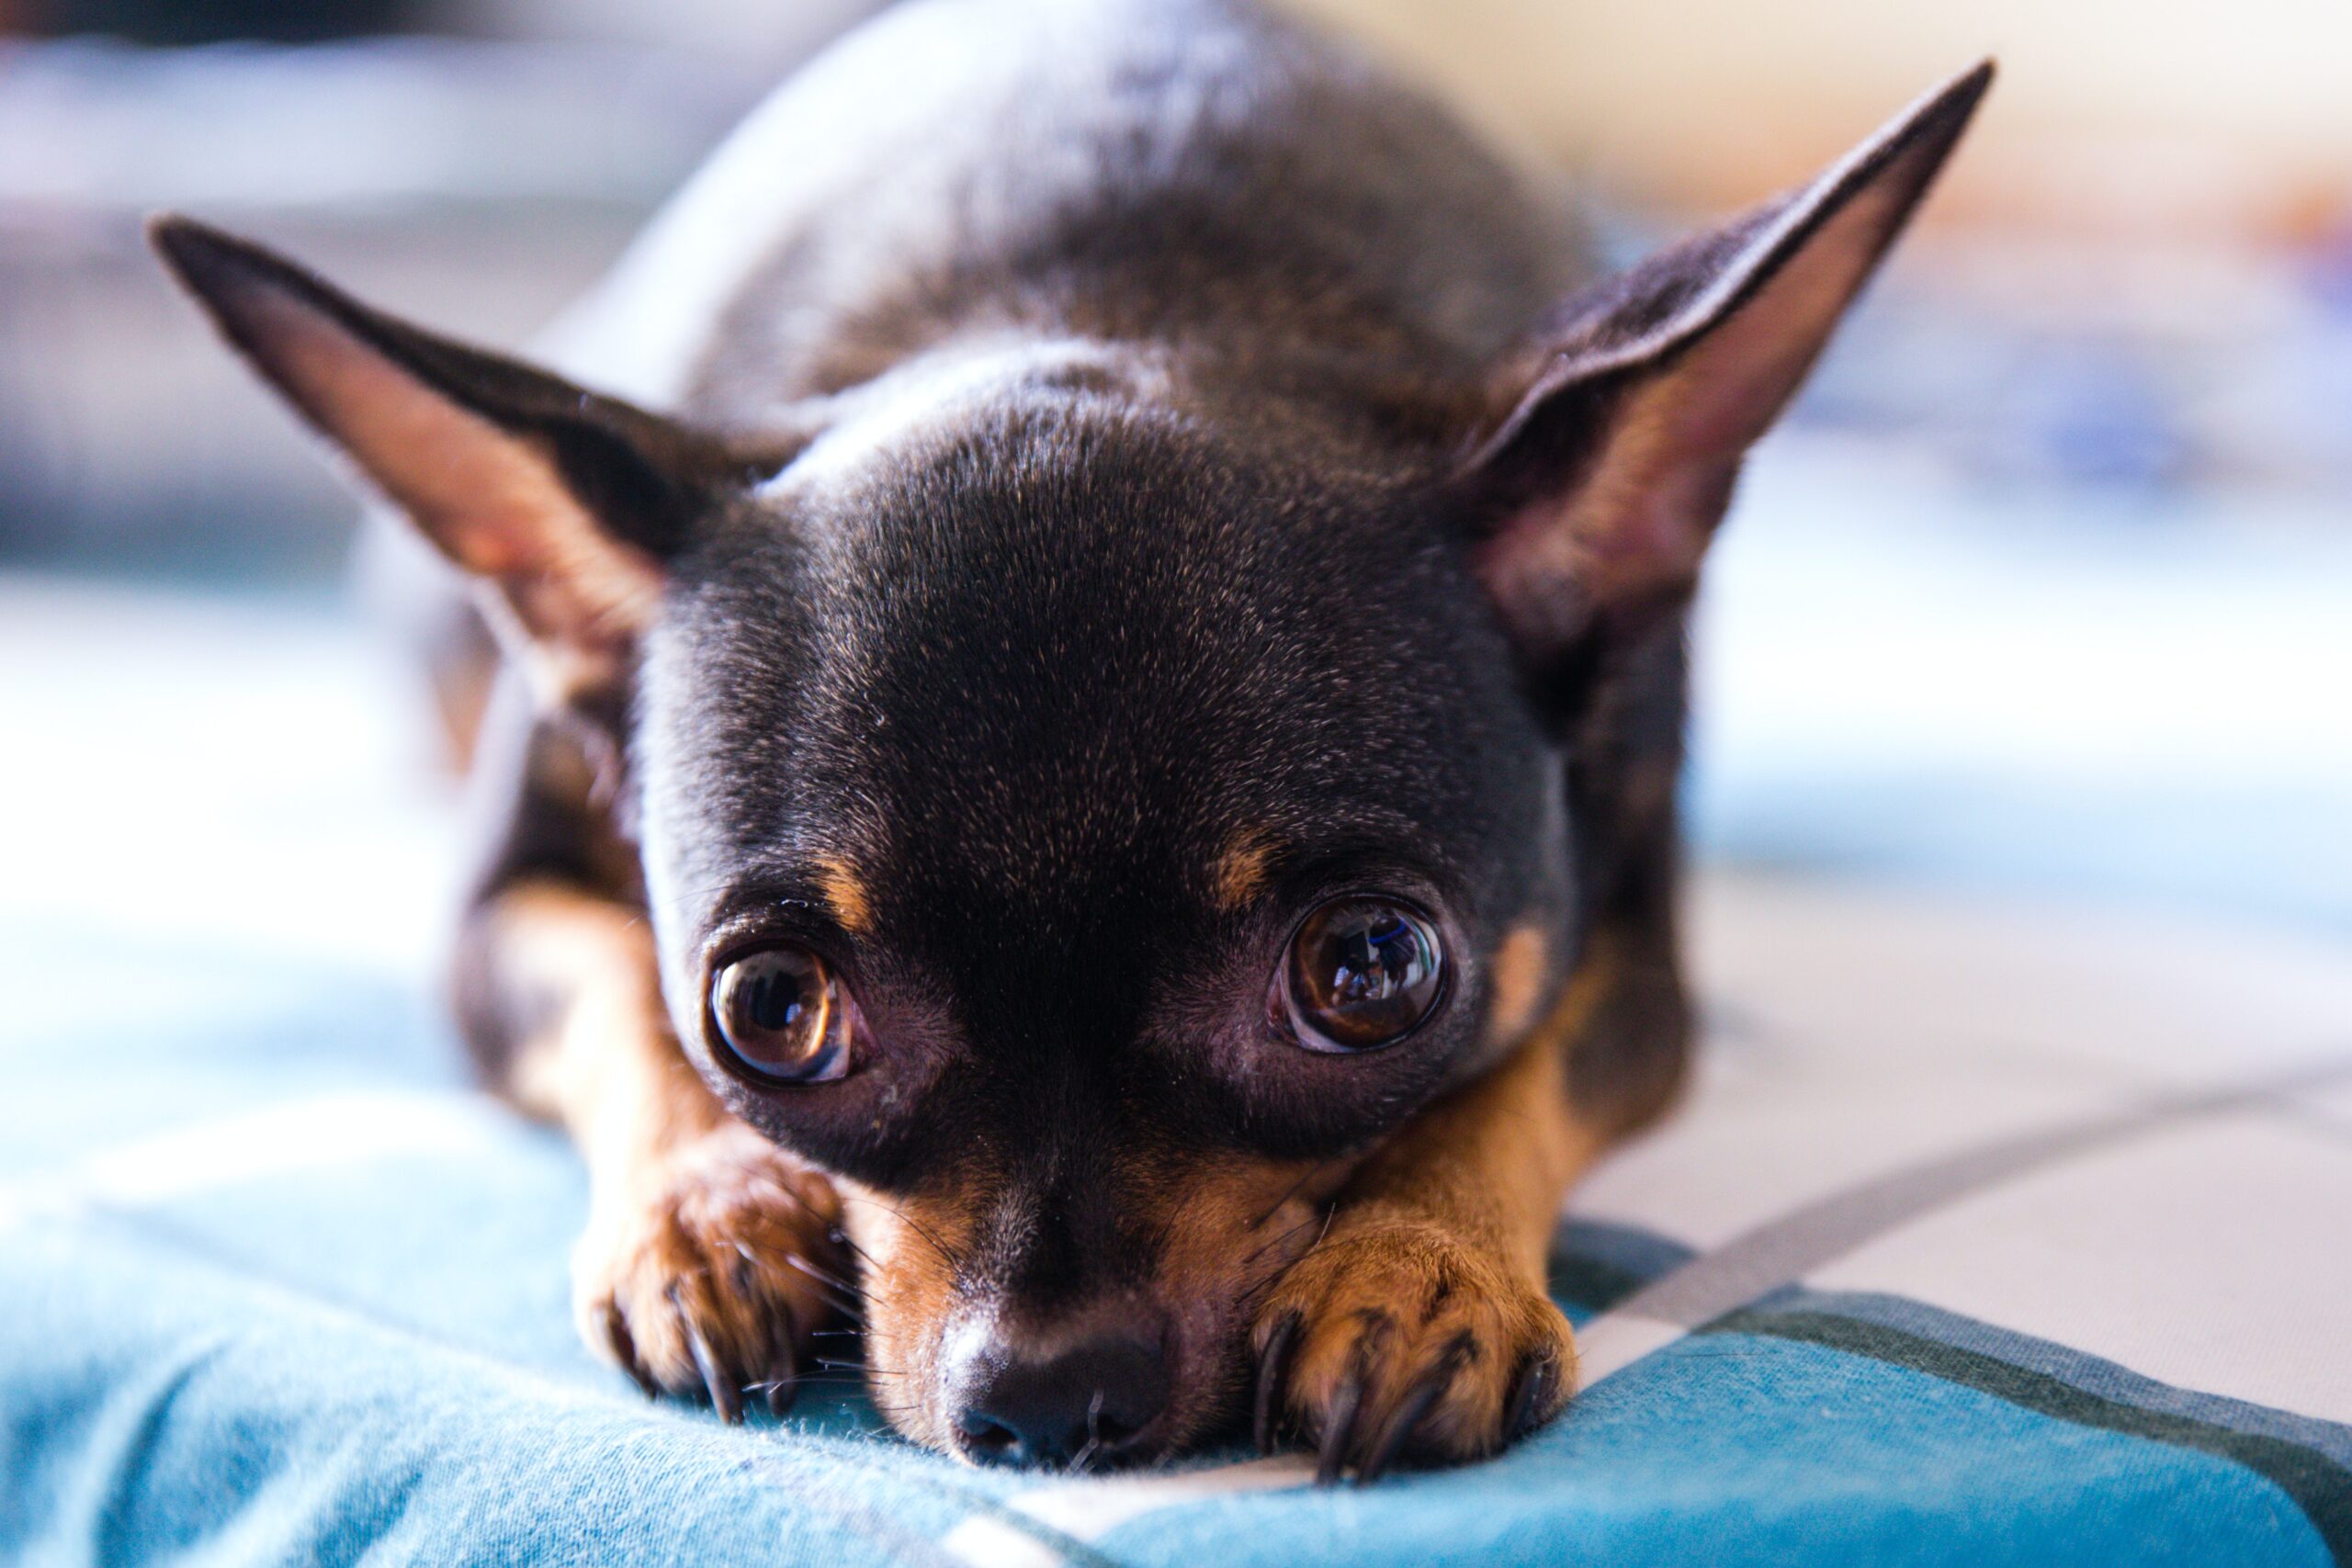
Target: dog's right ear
{"type": "Point", "coordinates": [564, 501]}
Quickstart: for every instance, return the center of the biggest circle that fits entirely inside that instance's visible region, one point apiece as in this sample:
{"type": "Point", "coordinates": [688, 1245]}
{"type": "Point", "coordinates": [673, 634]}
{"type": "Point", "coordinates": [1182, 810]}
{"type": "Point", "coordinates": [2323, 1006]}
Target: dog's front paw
{"type": "Point", "coordinates": [707, 1276]}
{"type": "Point", "coordinates": [1397, 1341]}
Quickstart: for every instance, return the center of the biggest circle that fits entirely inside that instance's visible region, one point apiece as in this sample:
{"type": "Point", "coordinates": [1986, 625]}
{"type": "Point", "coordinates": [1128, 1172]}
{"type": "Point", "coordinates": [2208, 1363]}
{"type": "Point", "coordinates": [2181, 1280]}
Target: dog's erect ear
{"type": "Point", "coordinates": [565, 502]}
{"type": "Point", "coordinates": [1623, 421]}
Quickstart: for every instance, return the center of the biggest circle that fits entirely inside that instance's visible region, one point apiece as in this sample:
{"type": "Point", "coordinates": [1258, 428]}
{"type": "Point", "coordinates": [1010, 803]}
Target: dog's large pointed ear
{"type": "Point", "coordinates": [566, 502]}
{"type": "Point", "coordinates": [1619, 427]}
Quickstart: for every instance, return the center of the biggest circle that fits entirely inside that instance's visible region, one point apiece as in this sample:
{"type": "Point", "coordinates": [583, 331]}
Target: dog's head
{"type": "Point", "coordinates": [1078, 811]}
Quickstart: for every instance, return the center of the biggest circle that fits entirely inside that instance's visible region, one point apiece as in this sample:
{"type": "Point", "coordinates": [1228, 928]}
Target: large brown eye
{"type": "Point", "coordinates": [1362, 973]}
{"type": "Point", "coordinates": [782, 1016]}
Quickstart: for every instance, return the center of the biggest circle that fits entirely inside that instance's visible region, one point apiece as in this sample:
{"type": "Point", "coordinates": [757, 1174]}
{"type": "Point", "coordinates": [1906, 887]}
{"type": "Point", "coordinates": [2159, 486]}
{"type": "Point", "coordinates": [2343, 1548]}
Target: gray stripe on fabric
{"type": "Point", "coordinates": [1595, 1264]}
{"type": "Point", "coordinates": [1645, 1254]}
{"type": "Point", "coordinates": [2320, 1487]}
{"type": "Point", "coordinates": [1783, 1251]}
{"type": "Point", "coordinates": [2094, 1374]}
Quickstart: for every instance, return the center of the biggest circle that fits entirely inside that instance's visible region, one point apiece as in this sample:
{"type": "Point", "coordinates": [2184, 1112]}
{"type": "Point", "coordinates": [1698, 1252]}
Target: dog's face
{"type": "Point", "coordinates": [1139, 826]}
{"type": "Point", "coordinates": [1080, 815]}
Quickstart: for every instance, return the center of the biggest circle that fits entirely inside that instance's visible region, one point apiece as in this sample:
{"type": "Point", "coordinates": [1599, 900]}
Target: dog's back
{"type": "Point", "coordinates": [1191, 173]}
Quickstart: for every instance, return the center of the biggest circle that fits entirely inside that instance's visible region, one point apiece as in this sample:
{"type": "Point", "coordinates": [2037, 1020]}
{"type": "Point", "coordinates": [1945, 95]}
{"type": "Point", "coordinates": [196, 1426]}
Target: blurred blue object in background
{"type": "Point", "coordinates": [2065, 694]}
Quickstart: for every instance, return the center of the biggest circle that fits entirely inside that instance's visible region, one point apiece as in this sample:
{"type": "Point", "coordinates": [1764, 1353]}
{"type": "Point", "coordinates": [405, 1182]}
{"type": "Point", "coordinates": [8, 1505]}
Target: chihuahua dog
{"type": "Point", "coordinates": [1086, 719]}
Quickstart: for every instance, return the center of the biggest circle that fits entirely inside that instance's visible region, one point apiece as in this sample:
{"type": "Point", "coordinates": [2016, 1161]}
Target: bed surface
{"type": "Point", "coordinates": [2005, 1224]}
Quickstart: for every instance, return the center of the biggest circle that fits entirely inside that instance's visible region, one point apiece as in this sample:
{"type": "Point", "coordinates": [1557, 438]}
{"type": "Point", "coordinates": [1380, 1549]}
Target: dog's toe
{"type": "Point", "coordinates": [708, 1281]}
{"type": "Point", "coordinates": [1401, 1345]}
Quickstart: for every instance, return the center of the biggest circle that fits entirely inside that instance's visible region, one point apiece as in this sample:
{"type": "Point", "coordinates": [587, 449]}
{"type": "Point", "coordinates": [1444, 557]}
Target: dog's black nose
{"type": "Point", "coordinates": [1085, 1407]}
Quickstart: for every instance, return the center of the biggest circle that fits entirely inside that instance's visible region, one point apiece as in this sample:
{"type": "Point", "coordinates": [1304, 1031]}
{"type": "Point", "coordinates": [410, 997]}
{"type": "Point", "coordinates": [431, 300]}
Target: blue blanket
{"type": "Point", "coordinates": [1993, 1233]}
{"type": "Point", "coordinates": [278, 1289]}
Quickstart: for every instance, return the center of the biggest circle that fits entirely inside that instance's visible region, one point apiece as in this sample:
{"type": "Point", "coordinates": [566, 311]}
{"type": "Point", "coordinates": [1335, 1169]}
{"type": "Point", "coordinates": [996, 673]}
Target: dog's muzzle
{"type": "Point", "coordinates": [1088, 1396]}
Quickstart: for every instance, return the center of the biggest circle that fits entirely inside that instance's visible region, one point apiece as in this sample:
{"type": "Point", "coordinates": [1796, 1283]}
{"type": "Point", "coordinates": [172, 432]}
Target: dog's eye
{"type": "Point", "coordinates": [1362, 973]}
{"type": "Point", "coordinates": [782, 1016]}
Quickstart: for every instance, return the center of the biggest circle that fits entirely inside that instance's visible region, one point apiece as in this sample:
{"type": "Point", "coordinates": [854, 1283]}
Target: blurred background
{"type": "Point", "coordinates": [2045, 590]}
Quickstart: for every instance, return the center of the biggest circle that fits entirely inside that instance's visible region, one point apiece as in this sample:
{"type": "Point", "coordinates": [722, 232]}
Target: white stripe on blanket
{"type": "Point", "coordinates": [317, 1132]}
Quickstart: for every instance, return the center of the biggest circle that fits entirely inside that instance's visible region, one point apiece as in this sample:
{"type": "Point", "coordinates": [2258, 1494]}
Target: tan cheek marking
{"type": "Point", "coordinates": [846, 895]}
{"type": "Point", "coordinates": [1228, 1224]}
{"type": "Point", "coordinates": [909, 1248]}
{"type": "Point", "coordinates": [1240, 873]}
{"type": "Point", "coordinates": [1571, 1016]}
{"type": "Point", "coordinates": [1227, 1227]}
{"type": "Point", "coordinates": [1518, 979]}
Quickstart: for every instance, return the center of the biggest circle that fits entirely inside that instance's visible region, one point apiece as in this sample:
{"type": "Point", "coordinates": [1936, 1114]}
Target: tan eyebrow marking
{"type": "Point", "coordinates": [846, 895]}
{"type": "Point", "coordinates": [1518, 981]}
{"type": "Point", "coordinates": [1240, 873]}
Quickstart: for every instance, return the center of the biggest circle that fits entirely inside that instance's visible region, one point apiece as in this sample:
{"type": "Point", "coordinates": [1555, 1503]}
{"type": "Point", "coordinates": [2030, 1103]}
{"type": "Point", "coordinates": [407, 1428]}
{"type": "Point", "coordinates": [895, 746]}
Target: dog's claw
{"type": "Point", "coordinates": [1338, 1431]}
{"type": "Point", "coordinates": [1274, 1368]}
{"type": "Point", "coordinates": [624, 1349]}
{"type": "Point", "coordinates": [1400, 1432]}
{"type": "Point", "coordinates": [1527, 1400]}
{"type": "Point", "coordinates": [723, 1396]}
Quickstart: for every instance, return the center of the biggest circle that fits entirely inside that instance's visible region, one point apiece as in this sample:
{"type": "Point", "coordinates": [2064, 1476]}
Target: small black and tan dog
{"type": "Point", "coordinates": [1101, 772]}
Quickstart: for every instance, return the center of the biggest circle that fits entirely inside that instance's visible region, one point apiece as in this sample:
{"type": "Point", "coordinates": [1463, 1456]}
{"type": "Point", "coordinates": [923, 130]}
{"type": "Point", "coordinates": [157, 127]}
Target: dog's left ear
{"type": "Point", "coordinates": [565, 503]}
{"type": "Point", "coordinates": [1623, 421]}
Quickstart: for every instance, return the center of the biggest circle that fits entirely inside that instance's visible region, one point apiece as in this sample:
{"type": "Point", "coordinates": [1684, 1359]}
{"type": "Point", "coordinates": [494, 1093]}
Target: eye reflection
{"type": "Point", "coordinates": [782, 1016]}
{"type": "Point", "coordinates": [1362, 973]}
